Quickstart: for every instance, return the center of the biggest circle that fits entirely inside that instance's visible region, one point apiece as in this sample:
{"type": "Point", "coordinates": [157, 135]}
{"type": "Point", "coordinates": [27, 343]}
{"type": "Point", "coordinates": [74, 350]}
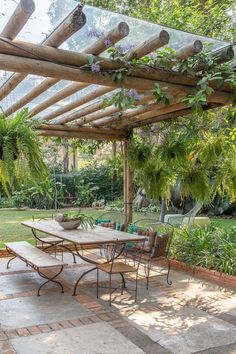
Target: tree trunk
{"type": "Point", "coordinates": [163, 210]}
{"type": "Point", "coordinates": [66, 155]}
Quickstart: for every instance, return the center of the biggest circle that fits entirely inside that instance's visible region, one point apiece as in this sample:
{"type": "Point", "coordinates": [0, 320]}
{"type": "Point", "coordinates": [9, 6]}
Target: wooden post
{"type": "Point", "coordinates": [125, 154]}
{"type": "Point", "coordinates": [128, 187]}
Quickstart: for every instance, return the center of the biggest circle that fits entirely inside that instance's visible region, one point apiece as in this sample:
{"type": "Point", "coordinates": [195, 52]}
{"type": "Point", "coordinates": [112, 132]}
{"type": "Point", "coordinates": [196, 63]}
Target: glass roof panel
{"type": "Point", "coordinates": [50, 13]}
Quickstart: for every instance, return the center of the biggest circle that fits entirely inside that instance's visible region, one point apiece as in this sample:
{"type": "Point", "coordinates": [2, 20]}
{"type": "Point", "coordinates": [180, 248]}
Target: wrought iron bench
{"type": "Point", "coordinates": [36, 259]}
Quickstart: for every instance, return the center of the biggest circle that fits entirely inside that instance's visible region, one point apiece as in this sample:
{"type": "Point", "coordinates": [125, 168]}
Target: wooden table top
{"type": "Point", "coordinates": [98, 235]}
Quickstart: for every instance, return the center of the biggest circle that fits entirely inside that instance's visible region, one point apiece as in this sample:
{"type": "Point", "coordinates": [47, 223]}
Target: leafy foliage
{"type": "Point", "coordinates": [210, 247]}
{"type": "Point", "coordinates": [20, 153]}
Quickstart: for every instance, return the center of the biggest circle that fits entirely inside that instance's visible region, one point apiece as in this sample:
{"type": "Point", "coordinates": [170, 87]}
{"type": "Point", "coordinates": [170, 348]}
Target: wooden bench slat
{"type": "Point", "coordinates": [33, 255]}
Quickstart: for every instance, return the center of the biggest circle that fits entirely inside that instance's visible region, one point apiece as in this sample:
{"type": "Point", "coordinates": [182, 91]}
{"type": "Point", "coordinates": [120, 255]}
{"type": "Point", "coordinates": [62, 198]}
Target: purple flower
{"type": "Point", "coordinates": [95, 67]}
{"type": "Point", "coordinates": [152, 55]}
{"type": "Point", "coordinates": [93, 33]}
{"type": "Point", "coordinates": [134, 94]}
{"type": "Point", "coordinates": [107, 43]}
{"type": "Point", "coordinates": [123, 48]}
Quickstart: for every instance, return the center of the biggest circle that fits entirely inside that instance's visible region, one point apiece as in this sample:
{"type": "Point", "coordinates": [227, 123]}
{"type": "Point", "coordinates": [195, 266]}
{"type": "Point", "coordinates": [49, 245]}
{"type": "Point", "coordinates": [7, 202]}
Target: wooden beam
{"type": "Point", "coordinates": [81, 112]}
{"type": "Point", "coordinates": [69, 26]}
{"type": "Point", "coordinates": [37, 67]}
{"type": "Point", "coordinates": [74, 104]}
{"type": "Point", "coordinates": [22, 13]}
{"type": "Point", "coordinates": [148, 73]}
{"type": "Point", "coordinates": [125, 116]}
{"type": "Point", "coordinates": [220, 56]}
{"type": "Point", "coordinates": [35, 51]}
{"type": "Point", "coordinates": [167, 116]}
{"type": "Point", "coordinates": [55, 55]}
{"type": "Point", "coordinates": [223, 55]}
{"type": "Point", "coordinates": [92, 116]}
{"type": "Point", "coordinates": [76, 129]}
{"type": "Point", "coordinates": [82, 135]}
{"type": "Point", "coordinates": [67, 91]}
{"type": "Point", "coordinates": [189, 50]}
{"type": "Point", "coordinates": [163, 109]}
{"type": "Point", "coordinates": [153, 43]}
{"type": "Point", "coordinates": [116, 34]}
{"type": "Point", "coordinates": [86, 117]}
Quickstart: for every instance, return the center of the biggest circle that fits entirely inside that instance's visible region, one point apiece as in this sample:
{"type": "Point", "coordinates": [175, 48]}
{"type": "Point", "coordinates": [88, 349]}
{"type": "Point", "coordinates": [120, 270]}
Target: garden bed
{"type": "Point", "coordinates": [204, 273]}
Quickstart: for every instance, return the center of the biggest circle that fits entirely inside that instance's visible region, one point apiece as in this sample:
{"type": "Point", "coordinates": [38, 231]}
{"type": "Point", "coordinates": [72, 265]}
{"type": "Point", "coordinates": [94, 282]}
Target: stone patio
{"type": "Point", "coordinates": [191, 316]}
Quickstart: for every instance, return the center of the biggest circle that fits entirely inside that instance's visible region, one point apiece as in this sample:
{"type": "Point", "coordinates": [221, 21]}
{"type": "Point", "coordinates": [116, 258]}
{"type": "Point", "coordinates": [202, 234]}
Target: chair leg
{"type": "Point", "coordinates": [123, 281]}
{"type": "Point", "coordinates": [97, 281]}
{"type": "Point", "coordinates": [169, 282]}
{"type": "Point", "coordinates": [109, 289]}
{"type": "Point", "coordinates": [148, 273]}
{"type": "Point", "coordinates": [136, 287]}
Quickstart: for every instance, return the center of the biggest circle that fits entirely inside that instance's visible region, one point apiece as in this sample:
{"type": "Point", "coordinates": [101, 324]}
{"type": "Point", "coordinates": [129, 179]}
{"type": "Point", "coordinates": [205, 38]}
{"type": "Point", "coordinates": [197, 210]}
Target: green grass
{"type": "Point", "coordinates": [12, 230]}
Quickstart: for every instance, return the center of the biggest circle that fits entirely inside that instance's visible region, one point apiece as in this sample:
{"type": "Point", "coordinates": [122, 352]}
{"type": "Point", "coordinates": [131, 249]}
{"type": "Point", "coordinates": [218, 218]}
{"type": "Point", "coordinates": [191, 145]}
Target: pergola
{"type": "Point", "coordinates": [67, 98]}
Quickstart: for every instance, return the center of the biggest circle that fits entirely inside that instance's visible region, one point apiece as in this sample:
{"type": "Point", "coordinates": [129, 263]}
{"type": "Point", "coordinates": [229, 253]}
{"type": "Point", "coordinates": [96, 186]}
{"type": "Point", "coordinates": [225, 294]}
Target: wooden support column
{"type": "Point", "coordinates": [128, 187]}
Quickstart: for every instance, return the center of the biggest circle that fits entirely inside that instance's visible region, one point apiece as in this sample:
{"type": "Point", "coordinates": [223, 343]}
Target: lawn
{"type": "Point", "coordinates": [12, 230]}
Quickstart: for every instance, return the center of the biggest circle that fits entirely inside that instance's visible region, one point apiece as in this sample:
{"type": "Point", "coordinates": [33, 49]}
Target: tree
{"type": "Point", "coordinates": [195, 153]}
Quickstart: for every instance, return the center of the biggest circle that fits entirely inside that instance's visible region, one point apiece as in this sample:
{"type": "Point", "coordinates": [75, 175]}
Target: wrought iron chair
{"type": "Point", "coordinates": [45, 243]}
{"type": "Point", "coordinates": [116, 266]}
{"type": "Point", "coordinates": [116, 218]}
{"type": "Point", "coordinates": [157, 245]}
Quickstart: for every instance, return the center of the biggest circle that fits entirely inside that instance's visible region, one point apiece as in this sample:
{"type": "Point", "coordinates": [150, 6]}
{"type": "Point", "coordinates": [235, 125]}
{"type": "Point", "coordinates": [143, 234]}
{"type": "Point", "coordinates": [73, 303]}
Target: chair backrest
{"type": "Point", "coordinates": [112, 219]}
{"type": "Point", "coordinates": [158, 243]}
{"type": "Point", "coordinates": [164, 233]}
{"type": "Point", "coordinates": [113, 250]}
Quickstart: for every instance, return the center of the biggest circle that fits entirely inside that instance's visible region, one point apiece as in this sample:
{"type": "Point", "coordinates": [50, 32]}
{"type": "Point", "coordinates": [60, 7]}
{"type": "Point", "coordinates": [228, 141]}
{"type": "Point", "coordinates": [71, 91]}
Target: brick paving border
{"type": "Point", "coordinates": [101, 312]}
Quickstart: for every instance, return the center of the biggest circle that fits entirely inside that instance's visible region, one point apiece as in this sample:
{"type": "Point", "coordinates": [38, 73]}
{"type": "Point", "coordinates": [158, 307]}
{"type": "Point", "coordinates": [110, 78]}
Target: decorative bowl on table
{"type": "Point", "coordinates": [72, 220]}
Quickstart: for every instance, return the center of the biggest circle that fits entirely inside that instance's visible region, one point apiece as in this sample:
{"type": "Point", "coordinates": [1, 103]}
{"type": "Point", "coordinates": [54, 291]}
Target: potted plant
{"type": "Point", "coordinates": [20, 153]}
{"type": "Point", "coordinates": [72, 220]}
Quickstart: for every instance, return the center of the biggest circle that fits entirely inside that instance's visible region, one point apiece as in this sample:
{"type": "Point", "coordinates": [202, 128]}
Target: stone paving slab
{"type": "Point", "coordinates": [36, 310]}
{"type": "Point", "coordinates": [15, 265]}
{"type": "Point", "coordinates": [226, 349]}
{"type": "Point", "coordinates": [183, 329]}
{"type": "Point", "coordinates": [15, 283]}
{"type": "Point", "coordinates": [72, 274]}
{"type": "Point", "coordinates": [97, 338]}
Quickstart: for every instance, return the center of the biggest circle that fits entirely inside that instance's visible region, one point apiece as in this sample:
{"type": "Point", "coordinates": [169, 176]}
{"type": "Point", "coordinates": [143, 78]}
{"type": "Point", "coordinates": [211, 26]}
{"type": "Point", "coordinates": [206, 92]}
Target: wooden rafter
{"type": "Point", "coordinates": [20, 16]}
{"type": "Point", "coordinates": [117, 33]}
{"type": "Point", "coordinates": [87, 111]}
{"type": "Point", "coordinates": [144, 48]}
{"type": "Point", "coordinates": [69, 26]}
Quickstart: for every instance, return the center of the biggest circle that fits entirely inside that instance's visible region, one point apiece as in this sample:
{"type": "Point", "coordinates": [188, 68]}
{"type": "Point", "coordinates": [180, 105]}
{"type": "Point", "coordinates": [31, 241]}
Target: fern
{"type": "Point", "coordinates": [20, 153]}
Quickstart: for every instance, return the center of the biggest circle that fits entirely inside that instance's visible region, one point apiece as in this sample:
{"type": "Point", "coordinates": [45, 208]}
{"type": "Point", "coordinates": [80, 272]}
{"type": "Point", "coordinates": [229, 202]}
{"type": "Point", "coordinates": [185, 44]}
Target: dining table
{"type": "Point", "coordinates": [84, 239]}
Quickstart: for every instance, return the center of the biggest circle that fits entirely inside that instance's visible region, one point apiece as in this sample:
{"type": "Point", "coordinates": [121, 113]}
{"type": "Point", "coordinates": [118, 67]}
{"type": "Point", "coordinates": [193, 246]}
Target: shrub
{"type": "Point", "coordinates": [94, 182]}
{"type": "Point", "coordinates": [210, 247]}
